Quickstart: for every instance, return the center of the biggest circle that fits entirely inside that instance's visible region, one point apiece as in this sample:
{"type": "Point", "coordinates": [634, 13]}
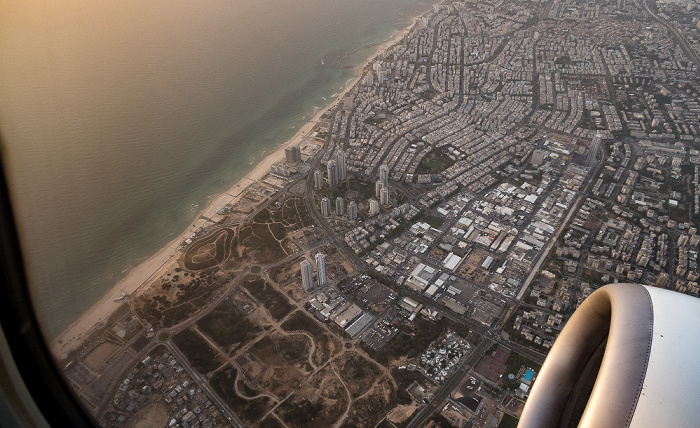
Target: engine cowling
{"type": "Point", "coordinates": [628, 357]}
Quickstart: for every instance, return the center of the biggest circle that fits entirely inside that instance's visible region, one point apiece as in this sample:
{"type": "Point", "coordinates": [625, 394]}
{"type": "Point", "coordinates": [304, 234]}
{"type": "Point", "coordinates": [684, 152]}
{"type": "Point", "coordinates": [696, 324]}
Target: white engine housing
{"type": "Point", "coordinates": [628, 357]}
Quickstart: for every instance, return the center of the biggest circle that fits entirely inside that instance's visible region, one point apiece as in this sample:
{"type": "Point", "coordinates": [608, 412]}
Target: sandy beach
{"type": "Point", "coordinates": [151, 269]}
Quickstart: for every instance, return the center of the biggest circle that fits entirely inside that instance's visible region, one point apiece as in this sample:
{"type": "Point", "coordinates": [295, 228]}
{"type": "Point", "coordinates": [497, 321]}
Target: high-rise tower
{"type": "Point", "coordinates": [321, 269]}
{"type": "Point", "coordinates": [326, 207]}
{"type": "Point", "coordinates": [292, 154]}
{"type": "Point", "coordinates": [593, 150]}
{"type": "Point", "coordinates": [339, 206]}
{"type": "Point", "coordinates": [307, 279]}
{"type": "Point", "coordinates": [332, 173]}
{"type": "Point", "coordinates": [384, 197]}
{"type": "Point", "coordinates": [352, 210]}
{"type": "Point", "coordinates": [373, 207]}
{"type": "Point", "coordinates": [318, 179]}
{"type": "Point", "coordinates": [384, 175]}
{"type": "Point", "coordinates": [342, 166]}
{"type": "Point", "coordinates": [378, 186]}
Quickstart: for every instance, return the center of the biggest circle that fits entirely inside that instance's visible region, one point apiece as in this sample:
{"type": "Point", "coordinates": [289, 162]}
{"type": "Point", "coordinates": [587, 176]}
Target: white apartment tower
{"type": "Point", "coordinates": [326, 207]}
{"type": "Point", "coordinates": [352, 210]}
{"type": "Point", "coordinates": [384, 175]}
{"type": "Point", "coordinates": [378, 186]}
{"type": "Point", "coordinates": [342, 165]}
{"type": "Point", "coordinates": [321, 269]}
{"type": "Point", "coordinates": [339, 206]}
{"type": "Point", "coordinates": [373, 207]}
{"type": "Point", "coordinates": [318, 179]}
{"type": "Point", "coordinates": [332, 173]}
{"type": "Point", "coordinates": [307, 279]}
{"type": "Point", "coordinates": [384, 198]}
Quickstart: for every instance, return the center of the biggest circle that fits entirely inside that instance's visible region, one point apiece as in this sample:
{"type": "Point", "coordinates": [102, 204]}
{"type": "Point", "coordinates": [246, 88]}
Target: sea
{"type": "Point", "coordinates": [121, 120]}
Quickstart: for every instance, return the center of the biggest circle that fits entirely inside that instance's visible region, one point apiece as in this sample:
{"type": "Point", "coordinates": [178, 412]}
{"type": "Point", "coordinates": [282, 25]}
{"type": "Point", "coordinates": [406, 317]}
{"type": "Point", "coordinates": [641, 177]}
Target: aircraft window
{"type": "Point", "coordinates": [332, 212]}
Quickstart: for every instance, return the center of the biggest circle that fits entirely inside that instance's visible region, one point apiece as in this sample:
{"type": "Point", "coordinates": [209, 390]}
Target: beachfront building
{"type": "Point", "coordinates": [369, 79]}
{"type": "Point", "coordinates": [280, 169]}
{"type": "Point", "coordinates": [292, 154]}
{"type": "Point", "coordinates": [321, 269]}
{"type": "Point", "coordinates": [307, 279]}
{"type": "Point", "coordinates": [373, 207]}
{"type": "Point", "coordinates": [342, 165]}
{"type": "Point", "coordinates": [339, 206]}
{"type": "Point", "coordinates": [332, 173]}
{"type": "Point", "coordinates": [326, 207]}
{"type": "Point", "coordinates": [318, 179]}
{"type": "Point", "coordinates": [352, 210]}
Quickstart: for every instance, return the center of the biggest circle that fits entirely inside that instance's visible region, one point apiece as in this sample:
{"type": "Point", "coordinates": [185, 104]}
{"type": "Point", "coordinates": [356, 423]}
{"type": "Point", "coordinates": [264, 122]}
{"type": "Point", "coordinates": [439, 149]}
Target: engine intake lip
{"type": "Point", "coordinates": [609, 334]}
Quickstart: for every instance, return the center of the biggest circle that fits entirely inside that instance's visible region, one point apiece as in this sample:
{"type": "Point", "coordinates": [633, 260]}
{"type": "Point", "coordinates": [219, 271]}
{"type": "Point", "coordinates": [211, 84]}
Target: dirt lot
{"type": "Point", "coordinates": [286, 358]}
{"type": "Point", "coordinates": [198, 352]}
{"type": "Point", "coordinates": [275, 302]}
{"type": "Point", "coordinates": [177, 296]}
{"type": "Point", "coordinates": [471, 268]}
{"type": "Point", "coordinates": [401, 413]}
{"type": "Point", "coordinates": [358, 372]}
{"type": "Point", "coordinates": [251, 367]}
{"type": "Point", "coordinates": [368, 410]}
{"type": "Point", "coordinates": [154, 415]}
{"type": "Point", "coordinates": [326, 344]}
{"type": "Point", "coordinates": [223, 383]}
{"type": "Point", "coordinates": [99, 355]}
{"type": "Point", "coordinates": [227, 327]}
{"type": "Point", "coordinates": [319, 402]}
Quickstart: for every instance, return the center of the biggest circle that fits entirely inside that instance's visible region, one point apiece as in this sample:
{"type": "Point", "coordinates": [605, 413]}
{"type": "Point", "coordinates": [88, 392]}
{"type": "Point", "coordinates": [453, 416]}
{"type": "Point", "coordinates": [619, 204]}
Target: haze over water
{"type": "Point", "coordinates": [120, 120]}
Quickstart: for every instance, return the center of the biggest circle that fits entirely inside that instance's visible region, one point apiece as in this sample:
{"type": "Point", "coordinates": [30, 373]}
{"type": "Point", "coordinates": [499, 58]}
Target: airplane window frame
{"type": "Point", "coordinates": [32, 358]}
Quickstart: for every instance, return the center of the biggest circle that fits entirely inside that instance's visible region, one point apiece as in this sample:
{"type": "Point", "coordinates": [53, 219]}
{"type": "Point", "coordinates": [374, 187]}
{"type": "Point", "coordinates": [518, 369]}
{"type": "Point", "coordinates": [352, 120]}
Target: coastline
{"type": "Point", "coordinates": [151, 269]}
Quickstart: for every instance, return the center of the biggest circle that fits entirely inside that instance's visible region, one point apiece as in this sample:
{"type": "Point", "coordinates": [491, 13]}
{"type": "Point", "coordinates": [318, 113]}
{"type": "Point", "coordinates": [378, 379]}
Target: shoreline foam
{"type": "Point", "coordinates": [143, 274]}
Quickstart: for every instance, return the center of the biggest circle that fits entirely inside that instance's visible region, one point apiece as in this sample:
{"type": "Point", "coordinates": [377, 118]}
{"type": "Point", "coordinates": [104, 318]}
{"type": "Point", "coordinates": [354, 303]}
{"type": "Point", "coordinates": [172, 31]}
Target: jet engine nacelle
{"type": "Point", "coordinates": [628, 357]}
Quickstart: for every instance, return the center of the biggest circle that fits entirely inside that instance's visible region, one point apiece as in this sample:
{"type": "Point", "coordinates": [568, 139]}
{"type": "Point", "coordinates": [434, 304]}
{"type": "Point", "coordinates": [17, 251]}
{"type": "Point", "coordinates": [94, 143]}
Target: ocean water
{"type": "Point", "coordinates": [121, 120]}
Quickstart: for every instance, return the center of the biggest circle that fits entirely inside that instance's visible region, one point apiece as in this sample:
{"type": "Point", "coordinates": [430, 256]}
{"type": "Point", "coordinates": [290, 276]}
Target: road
{"type": "Point", "coordinates": [680, 38]}
{"type": "Point", "coordinates": [426, 412]}
{"type": "Point", "coordinates": [202, 382]}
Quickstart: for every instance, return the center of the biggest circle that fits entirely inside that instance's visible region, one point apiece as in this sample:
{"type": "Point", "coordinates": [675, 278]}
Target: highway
{"type": "Point", "coordinates": [680, 38]}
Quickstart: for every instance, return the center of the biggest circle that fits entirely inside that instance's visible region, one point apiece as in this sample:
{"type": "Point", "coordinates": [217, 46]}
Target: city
{"type": "Point", "coordinates": [411, 262]}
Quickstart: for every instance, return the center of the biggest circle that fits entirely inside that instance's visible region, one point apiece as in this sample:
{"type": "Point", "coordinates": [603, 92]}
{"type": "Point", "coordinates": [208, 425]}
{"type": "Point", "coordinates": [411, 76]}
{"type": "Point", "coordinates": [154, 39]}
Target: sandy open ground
{"type": "Point", "coordinates": [155, 266]}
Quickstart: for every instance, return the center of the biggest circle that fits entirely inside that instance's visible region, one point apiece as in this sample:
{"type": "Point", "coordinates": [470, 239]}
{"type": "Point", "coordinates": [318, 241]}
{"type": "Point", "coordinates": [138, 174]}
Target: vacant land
{"type": "Point", "coordinates": [286, 359]}
{"type": "Point", "coordinates": [153, 415]}
{"type": "Point", "coordinates": [326, 344]}
{"type": "Point", "coordinates": [288, 277]}
{"type": "Point", "coordinates": [223, 382]}
{"type": "Point", "coordinates": [197, 351]}
{"type": "Point", "coordinates": [227, 327]}
{"type": "Point", "coordinates": [177, 296]}
{"type": "Point", "coordinates": [358, 372]}
{"type": "Point", "coordinates": [99, 355]}
{"type": "Point", "coordinates": [319, 402]}
{"type": "Point", "coordinates": [270, 422]}
{"type": "Point", "coordinates": [275, 302]}
{"type": "Point", "coordinates": [368, 410]}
